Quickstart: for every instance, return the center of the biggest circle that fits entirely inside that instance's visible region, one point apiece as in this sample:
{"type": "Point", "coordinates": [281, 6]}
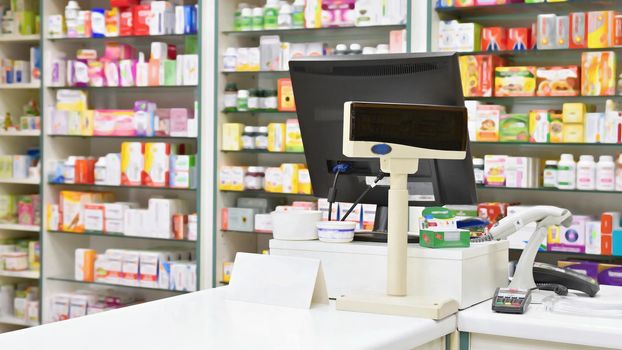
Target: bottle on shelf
{"type": "Point", "coordinates": [142, 71]}
{"type": "Point", "coordinates": [566, 172]}
{"type": "Point", "coordinates": [246, 20]}
{"type": "Point", "coordinates": [271, 15]}
{"type": "Point", "coordinates": [605, 174]}
{"type": "Point", "coordinates": [231, 97]}
{"type": "Point", "coordinates": [298, 14]}
{"type": "Point", "coordinates": [242, 100]}
{"type": "Point", "coordinates": [550, 174]}
{"type": "Point", "coordinates": [71, 18]}
{"type": "Point", "coordinates": [285, 16]}
{"type": "Point", "coordinates": [586, 173]}
{"type": "Point", "coordinates": [257, 21]}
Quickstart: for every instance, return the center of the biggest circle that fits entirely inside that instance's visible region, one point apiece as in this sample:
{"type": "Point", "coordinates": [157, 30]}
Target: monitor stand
{"type": "Point", "coordinates": [379, 234]}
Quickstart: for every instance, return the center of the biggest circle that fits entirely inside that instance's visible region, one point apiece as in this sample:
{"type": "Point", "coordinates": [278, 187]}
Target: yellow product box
{"type": "Point", "coordinates": [71, 100]}
{"type": "Point", "coordinates": [573, 133]}
{"type": "Point", "coordinates": [156, 165]}
{"type": "Point", "coordinates": [274, 180]}
{"type": "Point", "coordinates": [574, 112]}
{"type": "Point", "coordinates": [304, 182]}
{"type": "Point", "coordinates": [515, 81]}
{"type": "Point", "coordinates": [34, 255]}
{"type": "Point", "coordinates": [224, 178]}
{"type": "Point", "coordinates": [232, 136]}
{"type": "Point", "coordinates": [290, 177]}
{"type": "Point", "coordinates": [554, 235]}
{"type": "Point", "coordinates": [72, 207]}
{"type": "Point", "coordinates": [227, 269]}
{"type": "Point", "coordinates": [293, 137]}
{"type": "Point", "coordinates": [237, 178]}
{"type": "Point", "coordinates": [556, 132]}
{"type": "Point", "coordinates": [276, 137]}
{"type": "Point", "coordinates": [86, 122]}
{"type": "Point", "coordinates": [53, 217]}
{"type": "Point", "coordinates": [132, 163]}
{"type": "Point", "coordinates": [601, 29]}
{"type": "Point", "coordinates": [8, 209]}
{"type": "Point", "coordinates": [74, 123]}
{"type": "Point", "coordinates": [6, 167]}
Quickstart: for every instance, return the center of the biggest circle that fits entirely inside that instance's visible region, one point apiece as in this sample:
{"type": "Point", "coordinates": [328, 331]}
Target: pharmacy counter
{"type": "Point", "coordinates": [540, 329]}
{"type": "Point", "coordinates": [205, 320]}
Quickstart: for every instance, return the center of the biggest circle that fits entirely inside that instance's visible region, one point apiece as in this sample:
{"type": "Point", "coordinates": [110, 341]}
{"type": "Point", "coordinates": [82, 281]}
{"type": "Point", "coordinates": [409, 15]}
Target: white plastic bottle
{"type": "Point", "coordinates": [71, 18]}
{"type": "Point", "coordinates": [142, 71]}
{"type": "Point", "coordinates": [586, 173]}
{"type": "Point", "coordinates": [284, 19]}
{"type": "Point", "coordinates": [605, 174]}
{"type": "Point", "coordinates": [619, 173]}
{"type": "Point", "coordinates": [566, 172]}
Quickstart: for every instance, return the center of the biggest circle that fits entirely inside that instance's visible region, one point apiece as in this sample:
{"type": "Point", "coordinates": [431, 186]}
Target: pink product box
{"type": "Point", "coordinates": [113, 123]}
{"type": "Point", "coordinates": [111, 73]}
{"type": "Point", "coordinates": [496, 2]}
{"type": "Point", "coordinates": [179, 121]}
{"type": "Point", "coordinates": [162, 123]}
{"type": "Point", "coordinates": [116, 51]}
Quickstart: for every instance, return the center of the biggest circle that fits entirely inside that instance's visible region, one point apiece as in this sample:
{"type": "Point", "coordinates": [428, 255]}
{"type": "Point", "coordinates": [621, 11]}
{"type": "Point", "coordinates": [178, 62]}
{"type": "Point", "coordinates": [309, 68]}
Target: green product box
{"type": "Point", "coordinates": [8, 209]}
{"type": "Point", "coordinates": [6, 167]}
{"type": "Point", "coordinates": [533, 1]}
{"type": "Point", "coordinates": [514, 128]}
{"type": "Point", "coordinates": [448, 239]}
{"type": "Point", "coordinates": [170, 72]}
{"type": "Point", "coordinates": [191, 45]}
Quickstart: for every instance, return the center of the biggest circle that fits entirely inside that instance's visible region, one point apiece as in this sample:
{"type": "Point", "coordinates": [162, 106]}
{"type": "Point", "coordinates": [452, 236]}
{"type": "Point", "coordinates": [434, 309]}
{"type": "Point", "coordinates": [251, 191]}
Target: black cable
{"type": "Point", "coordinates": [360, 198]}
{"type": "Point", "coordinates": [332, 195]}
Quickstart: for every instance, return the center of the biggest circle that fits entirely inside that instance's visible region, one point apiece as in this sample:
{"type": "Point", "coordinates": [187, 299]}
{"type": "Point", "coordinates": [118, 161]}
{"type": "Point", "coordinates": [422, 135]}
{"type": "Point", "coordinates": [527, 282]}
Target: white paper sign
{"type": "Point", "coordinates": [277, 280]}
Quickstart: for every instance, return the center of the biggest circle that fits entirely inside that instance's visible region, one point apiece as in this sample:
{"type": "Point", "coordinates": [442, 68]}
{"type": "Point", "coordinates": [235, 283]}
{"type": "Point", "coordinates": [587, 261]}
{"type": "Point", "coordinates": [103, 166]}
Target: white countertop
{"type": "Point", "coordinates": [205, 320]}
{"type": "Point", "coordinates": [539, 324]}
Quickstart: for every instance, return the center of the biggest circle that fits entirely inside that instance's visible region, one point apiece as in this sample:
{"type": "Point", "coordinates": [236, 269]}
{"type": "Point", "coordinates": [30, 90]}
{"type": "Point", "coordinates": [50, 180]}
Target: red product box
{"type": "Point", "coordinates": [477, 74]}
{"type": "Point", "coordinates": [494, 39]}
{"type": "Point", "coordinates": [533, 37]}
{"type": "Point", "coordinates": [123, 3]}
{"type": "Point", "coordinates": [617, 31]}
{"type": "Point", "coordinates": [519, 39]}
{"type": "Point", "coordinates": [140, 19]}
{"type": "Point", "coordinates": [127, 17]}
{"type": "Point", "coordinates": [578, 30]}
{"type": "Point", "coordinates": [493, 212]}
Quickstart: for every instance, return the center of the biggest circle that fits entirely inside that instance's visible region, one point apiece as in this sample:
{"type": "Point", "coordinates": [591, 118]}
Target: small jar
{"type": "Point", "coordinates": [230, 59]}
{"type": "Point", "coordinates": [231, 97]}
{"type": "Point", "coordinates": [478, 170]}
{"type": "Point", "coordinates": [257, 23]}
{"type": "Point", "coordinates": [271, 100]}
{"type": "Point", "coordinates": [253, 100]}
{"type": "Point", "coordinates": [355, 49]}
{"type": "Point", "coordinates": [261, 138]}
{"type": "Point", "coordinates": [246, 19]}
{"type": "Point", "coordinates": [341, 49]}
{"type": "Point", "coordinates": [242, 100]}
{"type": "Point", "coordinates": [261, 98]}
{"type": "Point", "coordinates": [255, 178]}
{"type": "Point", "coordinates": [248, 137]}
{"type": "Point", "coordinates": [550, 174]}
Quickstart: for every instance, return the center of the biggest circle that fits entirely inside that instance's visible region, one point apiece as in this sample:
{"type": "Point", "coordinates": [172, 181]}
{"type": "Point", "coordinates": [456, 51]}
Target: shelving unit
{"type": "Point", "coordinates": [12, 99]}
{"type": "Point", "coordinates": [59, 247]}
{"type": "Point", "coordinates": [228, 243]}
{"type": "Point", "coordinates": [523, 15]}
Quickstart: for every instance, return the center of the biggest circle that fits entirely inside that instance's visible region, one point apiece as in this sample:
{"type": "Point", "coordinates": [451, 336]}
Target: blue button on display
{"type": "Point", "coordinates": [381, 149]}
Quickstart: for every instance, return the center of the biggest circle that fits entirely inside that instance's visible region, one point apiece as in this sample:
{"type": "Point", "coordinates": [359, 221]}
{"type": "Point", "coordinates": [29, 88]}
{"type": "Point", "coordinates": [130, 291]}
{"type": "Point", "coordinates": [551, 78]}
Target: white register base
{"type": "Point", "coordinates": [467, 275]}
{"type": "Point", "coordinates": [205, 320]}
{"type": "Point", "coordinates": [538, 329]}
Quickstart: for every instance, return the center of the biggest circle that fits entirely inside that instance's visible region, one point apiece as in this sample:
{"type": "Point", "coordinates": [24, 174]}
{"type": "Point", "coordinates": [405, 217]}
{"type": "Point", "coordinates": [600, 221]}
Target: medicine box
{"type": "Point", "coordinates": [156, 164]}
{"type": "Point", "coordinates": [558, 81]}
{"type": "Point", "coordinates": [600, 29]}
{"type": "Point", "coordinates": [592, 237]}
{"type": "Point", "coordinates": [598, 73]}
{"type": "Point", "coordinates": [85, 264]}
{"type": "Point", "coordinates": [132, 163]}
{"type": "Point", "coordinates": [477, 73]}
{"type": "Point", "coordinates": [494, 170]}
{"type": "Point", "coordinates": [514, 128]}
{"type": "Point", "coordinates": [130, 261]}
{"type": "Point", "coordinates": [515, 81]}
{"type": "Point", "coordinates": [488, 119]}
{"type": "Point", "coordinates": [572, 239]}
{"type": "Point", "coordinates": [539, 126]}
{"type": "Point", "coordinates": [238, 219]}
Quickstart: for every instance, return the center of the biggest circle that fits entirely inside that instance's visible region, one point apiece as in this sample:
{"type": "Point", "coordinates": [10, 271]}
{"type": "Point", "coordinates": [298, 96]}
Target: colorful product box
{"type": "Point", "coordinates": [557, 127]}
{"type": "Point", "coordinates": [488, 119]}
{"type": "Point", "coordinates": [598, 73]}
{"type": "Point", "coordinates": [286, 101]}
{"type": "Point", "coordinates": [562, 32]}
{"type": "Point", "coordinates": [477, 74]}
{"type": "Point", "coordinates": [494, 170]}
{"type": "Point", "coordinates": [539, 126]}
{"type": "Point", "coordinates": [572, 238]}
{"type": "Point", "coordinates": [113, 123]}
{"type": "Point", "coordinates": [293, 137]}
{"type": "Point", "coordinates": [546, 31]}
{"type": "Point", "coordinates": [156, 166]}
{"type": "Point", "coordinates": [515, 81]}
{"type": "Point", "coordinates": [132, 163]}
{"type": "Point", "coordinates": [578, 30]}
{"type": "Point", "coordinates": [573, 133]}
{"type": "Point", "coordinates": [494, 39]}
{"type": "Point", "coordinates": [610, 274]}
{"type": "Point", "coordinates": [592, 237]}
{"type": "Point", "coordinates": [588, 268]}
{"type": "Point", "coordinates": [492, 211]}
{"type": "Point", "coordinates": [600, 29]}
{"type": "Point", "coordinates": [574, 113]}
{"type": "Point", "coordinates": [557, 81]}
{"type": "Point", "coordinates": [519, 39]}
{"type": "Point", "coordinates": [617, 35]}
{"type": "Point", "coordinates": [514, 128]}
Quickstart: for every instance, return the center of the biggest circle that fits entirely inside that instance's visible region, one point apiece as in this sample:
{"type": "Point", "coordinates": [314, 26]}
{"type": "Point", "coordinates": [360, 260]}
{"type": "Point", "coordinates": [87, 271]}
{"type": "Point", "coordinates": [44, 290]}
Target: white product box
{"type": "Point", "coordinates": [467, 275]}
{"type": "Point", "coordinates": [190, 73]}
{"type": "Point", "coordinates": [263, 223]}
{"type": "Point", "coordinates": [117, 210]}
{"type": "Point", "coordinates": [161, 213]}
{"type": "Point", "coordinates": [592, 237]}
{"type": "Point", "coordinates": [79, 303]}
{"type": "Point", "coordinates": [131, 263]}
{"type": "Point", "coordinates": [101, 268]}
{"type": "Point", "coordinates": [94, 217]}
{"type": "Point", "coordinates": [164, 274]}
{"type": "Point", "coordinates": [114, 226]}
{"type": "Point", "coordinates": [183, 276]}
{"type": "Point", "coordinates": [193, 227]}
{"type": "Point", "coordinates": [114, 265]}
{"type": "Point", "coordinates": [149, 264]}
{"type": "Point", "coordinates": [60, 307]}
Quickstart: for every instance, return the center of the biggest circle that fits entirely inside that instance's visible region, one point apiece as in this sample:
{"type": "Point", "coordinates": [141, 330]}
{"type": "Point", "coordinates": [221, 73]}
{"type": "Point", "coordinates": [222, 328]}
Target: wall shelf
{"type": "Point", "coordinates": [18, 227]}
{"type": "Point", "coordinates": [72, 280]}
{"type": "Point", "coordinates": [17, 133]}
{"type": "Point", "coordinates": [146, 138]}
{"type": "Point", "coordinates": [546, 189]}
{"type": "Point", "coordinates": [20, 86]}
{"type": "Point", "coordinates": [146, 188]}
{"type": "Point", "coordinates": [14, 321]}
{"type": "Point", "coordinates": [544, 145]}
{"type": "Point", "coordinates": [272, 194]}
{"type": "Point", "coordinates": [261, 151]}
{"type": "Point", "coordinates": [29, 181]}
{"type": "Point", "coordinates": [166, 37]}
{"type": "Point", "coordinates": [525, 9]}
{"type": "Point", "coordinates": [316, 31]}
{"type": "Point", "coordinates": [113, 235]}
{"type": "Point", "coordinates": [33, 275]}
{"type": "Point", "coordinates": [14, 38]}
{"type": "Point", "coordinates": [127, 88]}
{"type": "Point", "coordinates": [539, 53]}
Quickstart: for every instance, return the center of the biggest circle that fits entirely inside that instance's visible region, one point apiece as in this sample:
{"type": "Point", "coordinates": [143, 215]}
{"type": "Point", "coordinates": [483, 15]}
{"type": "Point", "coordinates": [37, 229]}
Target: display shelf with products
{"type": "Point", "coordinates": [243, 84]}
{"type": "Point", "coordinates": [20, 274]}
{"type": "Point", "coordinates": [108, 130]}
{"type": "Point", "coordinates": [20, 86]}
{"type": "Point", "coordinates": [16, 321]}
{"type": "Point", "coordinates": [524, 9]}
{"type": "Point", "coordinates": [18, 38]}
{"type": "Point", "coordinates": [18, 227]}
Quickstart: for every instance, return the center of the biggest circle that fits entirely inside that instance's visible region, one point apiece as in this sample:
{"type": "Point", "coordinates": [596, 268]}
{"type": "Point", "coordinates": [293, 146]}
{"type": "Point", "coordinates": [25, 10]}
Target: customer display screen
{"type": "Point", "coordinates": [424, 126]}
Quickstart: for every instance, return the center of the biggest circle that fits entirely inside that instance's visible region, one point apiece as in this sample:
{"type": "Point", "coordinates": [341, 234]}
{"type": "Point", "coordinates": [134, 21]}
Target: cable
{"type": "Point", "coordinates": [360, 198]}
{"type": "Point", "coordinates": [559, 289]}
{"type": "Point", "coordinates": [332, 192]}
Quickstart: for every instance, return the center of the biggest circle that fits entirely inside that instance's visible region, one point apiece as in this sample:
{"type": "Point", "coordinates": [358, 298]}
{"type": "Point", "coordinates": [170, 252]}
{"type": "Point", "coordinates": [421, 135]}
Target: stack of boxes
{"type": "Point", "coordinates": [85, 302]}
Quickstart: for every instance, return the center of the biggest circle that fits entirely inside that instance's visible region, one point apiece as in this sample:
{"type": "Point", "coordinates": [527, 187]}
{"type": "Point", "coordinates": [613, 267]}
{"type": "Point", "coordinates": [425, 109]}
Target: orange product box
{"type": "Point", "coordinates": [494, 39]}
{"type": "Point", "coordinates": [617, 35]}
{"type": "Point", "coordinates": [477, 73]}
{"type": "Point", "coordinates": [600, 29]}
{"type": "Point", "coordinates": [515, 81]}
{"type": "Point", "coordinates": [557, 81]}
{"type": "Point", "coordinates": [598, 73]}
{"type": "Point", "coordinates": [519, 39]}
{"type": "Point", "coordinates": [464, 3]}
{"type": "Point", "coordinates": [71, 205]}
{"type": "Point", "coordinates": [578, 30]}
{"type": "Point", "coordinates": [286, 102]}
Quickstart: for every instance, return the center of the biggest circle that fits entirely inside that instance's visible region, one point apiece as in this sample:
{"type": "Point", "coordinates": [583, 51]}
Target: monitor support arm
{"type": "Point", "coordinates": [397, 240]}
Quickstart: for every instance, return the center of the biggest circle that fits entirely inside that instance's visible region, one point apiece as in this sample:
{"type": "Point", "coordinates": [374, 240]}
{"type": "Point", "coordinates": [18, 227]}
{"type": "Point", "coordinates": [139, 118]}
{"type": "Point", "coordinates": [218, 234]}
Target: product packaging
{"type": "Point", "coordinates": [515, 81]}
{"type": "Point", "coordinates": [598, 73]}
{"type": "Point", "coordinates": [558, 81]}
{"type": "Point", "coordinates": [514, 128]}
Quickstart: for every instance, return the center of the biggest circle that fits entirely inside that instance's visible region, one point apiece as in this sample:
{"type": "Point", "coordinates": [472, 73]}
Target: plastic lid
{"type": "Point", "coordinates": [271, 3]}
{"type": "Point", "coordinates": [285, 9]}
{"type": "Point", "coordinates": [249, 129]}
{"type": "Point", "coordinates": [247, 12]}
{"type": "Point", "coordinates": [478, 161]}
{"type": "Point", "coordinates": [263, 129]}
{"type": "Point", "coordinates": [341, 47]}
{"type": "Point", "coordinates": [256, 169]}
{"type": "Point", "coordinates": [243, 93]}
{"type": "Point", "coordinates": [605, 159]}
{"type": "Point", "coordinates": [551, 162]}
{"type": "Point", "coordinates": [72, 5]}
{"type": "Point", "coordinates": [586, 158]}
{"type": "Point", "coordinates": [567, 157]}
{"type": "Point", "coordinates": [257, 11]}
{"type": "Point", "coordinates": [355, 47]}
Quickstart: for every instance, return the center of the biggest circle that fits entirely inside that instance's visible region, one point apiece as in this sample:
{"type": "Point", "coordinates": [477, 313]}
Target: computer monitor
{"type": "Point", "coordinates": [323, 84]}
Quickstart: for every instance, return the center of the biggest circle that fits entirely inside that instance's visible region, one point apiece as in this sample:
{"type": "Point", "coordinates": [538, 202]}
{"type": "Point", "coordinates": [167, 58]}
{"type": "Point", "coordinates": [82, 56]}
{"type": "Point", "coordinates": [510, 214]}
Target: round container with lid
{"type": "Point", "coordinates": [550, 174]}
{"type": "Point", "coordinates": [255, 178]}
{"type": "Point", "coordinates": [248, 137]}
{"type": "Point", "coordinates": [336, 231]}
{"type": "Point", "coordinates": [271, 102]}
{"type": "Point", "coordinates": [478, 170]}
{"type": "Point", "coordinates": [253, 99]}
{"type": "Point", "coordinates": [566, 172]}
{"type": "Point", "coordinates": [261, 138]}
{"type": "Point", "coordinates": [230, 59]}
{"type": "Point", "coordinates": [257, 21]}
{"type": "Point", "coordinates": [246, 19]}
{"type": "Point", "coordinates": [355, 49]}
{"type": "Point", "coordinates": [605, 174]}
{"type": "Point", "coordinates": [341, 49]}
{"type": "Point", "coordinates": [242, 100]}
{"type": "Point", "coordinates": [586, 173]}
{"type": "Point", "coordinates": [230, 99]}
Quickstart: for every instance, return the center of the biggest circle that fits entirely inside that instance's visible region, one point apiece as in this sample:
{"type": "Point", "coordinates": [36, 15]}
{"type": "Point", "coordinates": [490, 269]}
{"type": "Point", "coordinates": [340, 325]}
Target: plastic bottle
{"type": "Point", "coordinates": [550, 173]}
{"type": "Point", "coordinates": [231, 97]}
{"type": "Point", "coordinates": [71, 18]}
{"type": "Point", "coordinates": [355, 49]}
{"type": "Point", "coordinates": [242, 100]}
{"type": "Point", "coordinates": [586, 173]}
{"type": "Point", "coordinates": [237, 19]}
{"type": "Point", "coordinates": [605, 174]}
{"type": "Point", "coordinates": [271, 15]}
{"type": "Point", "coordinates": [566, 172]}
{"type": "Point", "coordinates": [257, 22]}
{"type": "Point", "coordinates": [142, 71]}
{"type": "Point", "coordinates": [298, 14]}
{"type": "Point", "coordinates": [285, 17]}
{"type": "Point", "coordinates": [341, 49]}
{"type": "Point", "coordinates": [478, 170]}
{"type": "Point", "coordinates": [246, 19]}
{"type": "Point", "coordinates": [230, 59]}
{"type": "Point", "coordinates": [619, 173]}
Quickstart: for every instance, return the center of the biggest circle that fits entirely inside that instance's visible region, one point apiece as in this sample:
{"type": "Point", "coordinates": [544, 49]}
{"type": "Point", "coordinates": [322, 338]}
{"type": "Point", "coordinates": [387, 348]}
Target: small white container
{"type": "Point", "coordinates": [336, 231]}
{"type": "Point", "coordinates": [295, 225]}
